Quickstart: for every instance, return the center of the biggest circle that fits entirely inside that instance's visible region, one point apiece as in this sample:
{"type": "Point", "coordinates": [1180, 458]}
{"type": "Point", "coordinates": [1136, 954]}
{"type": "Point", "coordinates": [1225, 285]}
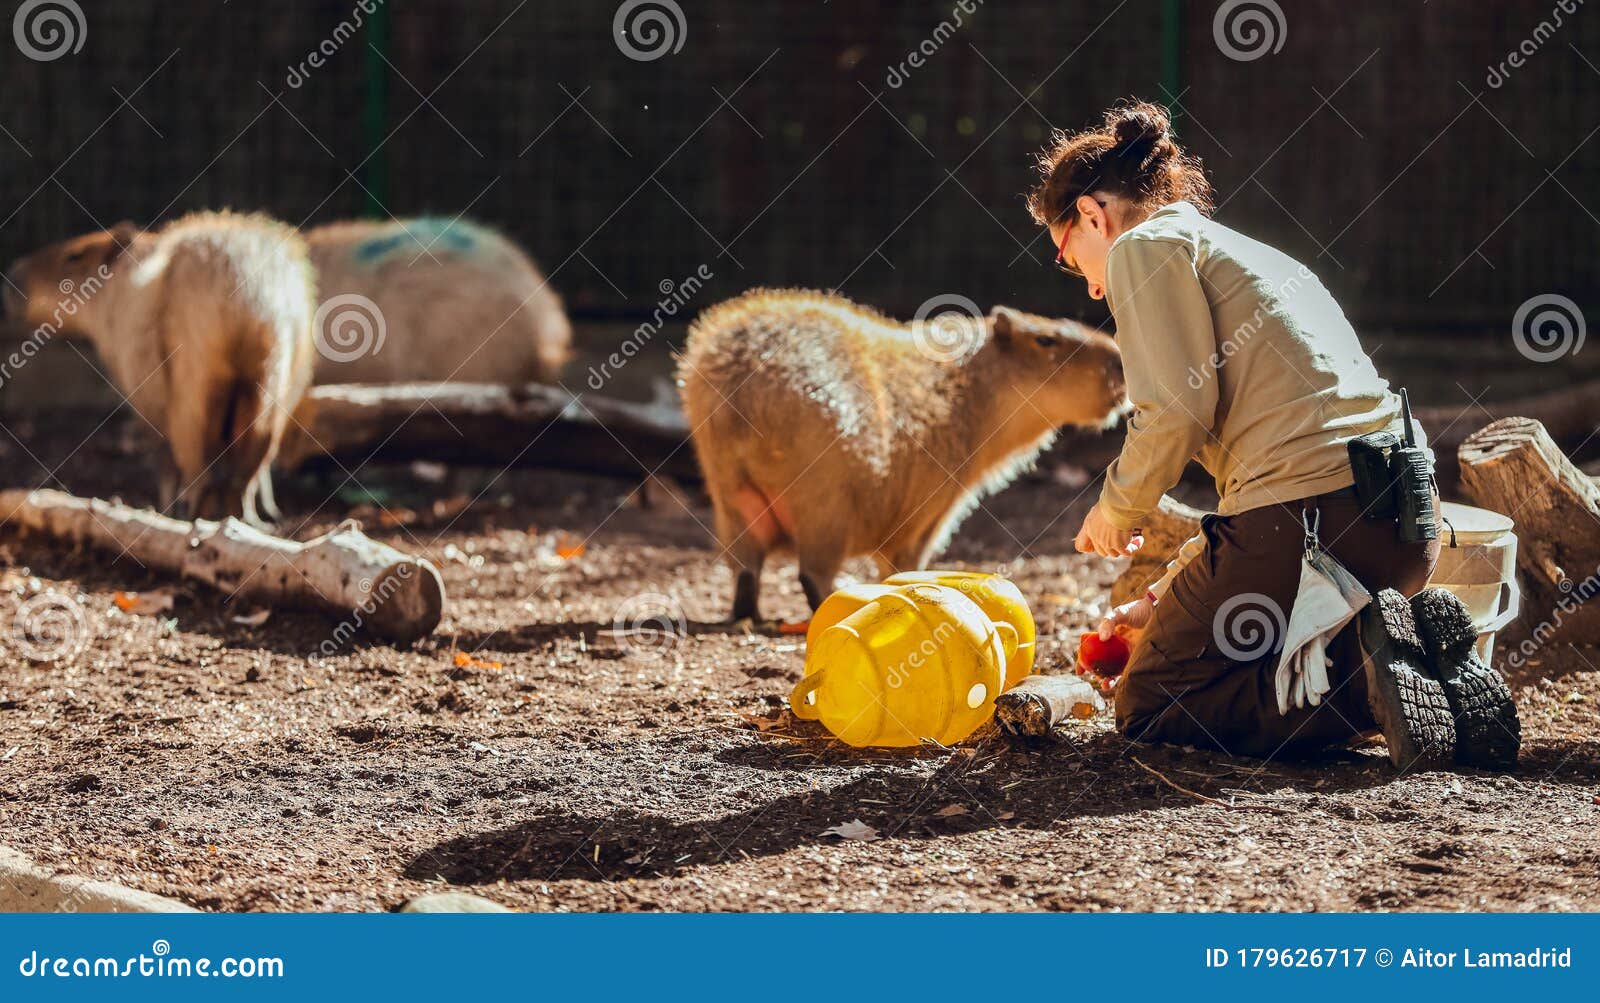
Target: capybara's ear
{"type": "Point", "coordinates": [1005, 322]}
{"type": "Point", "coordinates": [124, 233]}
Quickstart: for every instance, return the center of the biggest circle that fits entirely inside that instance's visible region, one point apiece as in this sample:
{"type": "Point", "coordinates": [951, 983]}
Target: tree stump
{"type": "Point", "coordinates": [1165, 530]}
{"type": "Point", "coordinates": [1512, 466]}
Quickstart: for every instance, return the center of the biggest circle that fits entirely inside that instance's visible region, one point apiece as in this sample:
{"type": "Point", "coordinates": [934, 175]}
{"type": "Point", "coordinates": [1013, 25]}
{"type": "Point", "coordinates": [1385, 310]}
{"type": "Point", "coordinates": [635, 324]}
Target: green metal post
{"type": "Point", "coordinates": [375, 110]}
{"type": "Point", "coordinates": [1172, 55]}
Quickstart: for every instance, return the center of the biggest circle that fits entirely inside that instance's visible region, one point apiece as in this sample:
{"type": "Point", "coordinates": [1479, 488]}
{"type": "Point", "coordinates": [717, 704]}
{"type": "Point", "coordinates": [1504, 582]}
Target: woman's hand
{"type": "Point", "coordinates": [1132, 616]}
{"type": "Point", "coordinates": [1098, 536]}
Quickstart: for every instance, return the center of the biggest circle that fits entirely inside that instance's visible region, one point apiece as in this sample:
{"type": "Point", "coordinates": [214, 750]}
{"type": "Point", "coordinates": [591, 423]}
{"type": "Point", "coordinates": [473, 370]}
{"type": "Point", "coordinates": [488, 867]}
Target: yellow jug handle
{"type": "Point", "coordinates": [1010, 640]}
{"type": "Point", "coordinates": [797, 699]}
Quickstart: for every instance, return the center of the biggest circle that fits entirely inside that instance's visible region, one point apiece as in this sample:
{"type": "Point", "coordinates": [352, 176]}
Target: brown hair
{"type": "Point", "coordinates": [1131, 155]}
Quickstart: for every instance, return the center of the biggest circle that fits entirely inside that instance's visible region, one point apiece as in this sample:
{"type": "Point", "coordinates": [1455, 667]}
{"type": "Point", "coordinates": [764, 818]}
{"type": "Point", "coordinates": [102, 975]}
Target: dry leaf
{"type": "Point", "coordinates": [780, 720]}
{"type": "Point", "coordinates": [449, 508]}
{"type": "Point", "coordinates": [1083, 711]}
{"type": "Point", "coordinates": [951, 810]}
{"type": "Point", "coordinates": [396, 517]}
{"type": "Point", "coordinates": [255, 619]}
{"type": "Point", "coordinates": [567, 550]}
{"type": "Point", "coordinates": [466, 661]}
{"type": "Point", "coordinates": [1005, 816]}
{"type": "Point", "coordinates": [144, 603]}
{"type": "Point", "coordinates": [855, 829]}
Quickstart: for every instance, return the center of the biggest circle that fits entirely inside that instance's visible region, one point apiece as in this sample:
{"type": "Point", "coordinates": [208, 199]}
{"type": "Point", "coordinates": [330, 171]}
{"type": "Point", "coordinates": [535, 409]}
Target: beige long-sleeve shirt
{"type": "Point", "coordinates": [1235, 355]}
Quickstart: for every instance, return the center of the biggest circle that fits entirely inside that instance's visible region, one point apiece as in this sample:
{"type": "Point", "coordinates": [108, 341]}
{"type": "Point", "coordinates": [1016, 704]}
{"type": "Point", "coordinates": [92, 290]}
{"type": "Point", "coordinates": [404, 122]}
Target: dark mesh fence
{"type": "Point", "coordinates": [619, 174]}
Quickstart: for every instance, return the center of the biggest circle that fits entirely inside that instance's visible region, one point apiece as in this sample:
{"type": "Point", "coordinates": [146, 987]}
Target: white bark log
{"type": "Point", "coordinates": [345, 573]}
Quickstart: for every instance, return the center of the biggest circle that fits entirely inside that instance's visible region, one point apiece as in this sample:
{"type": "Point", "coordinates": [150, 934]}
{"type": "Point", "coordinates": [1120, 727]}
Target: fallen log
{"type": "Point", "coordinates": [1036, 706]}
{"type": "Point", "coordinates": [1569, 414]}
{"type": "Point", "coordinates": [1514, 467]}
{"type": "Point", "coordinates": [490, 425]}
{"type": "Point", "coordinates": [369, 584]}
{"type": "Point", "coordinates": [1165, 530]}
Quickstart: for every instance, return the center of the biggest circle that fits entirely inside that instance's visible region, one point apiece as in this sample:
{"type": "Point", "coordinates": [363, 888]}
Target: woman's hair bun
{"type": "Point", "coordinates": [1131, 154]}
{"type": "Point", "coordinates": [1141, 129]}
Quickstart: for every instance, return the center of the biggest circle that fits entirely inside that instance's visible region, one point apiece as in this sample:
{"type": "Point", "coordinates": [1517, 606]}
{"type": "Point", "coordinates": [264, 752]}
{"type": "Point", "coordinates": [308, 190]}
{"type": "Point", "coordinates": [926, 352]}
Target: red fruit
{"type": "Point", "coordinates": [1105, 659]}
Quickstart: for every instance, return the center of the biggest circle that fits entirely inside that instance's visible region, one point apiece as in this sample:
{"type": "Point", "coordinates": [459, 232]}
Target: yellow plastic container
{"type": "Point", "coordinates": [999, 598]}
{"type": "Point", "coordinates": [840, 605]}
{"type": "Point", "coordinates": [921, 661]}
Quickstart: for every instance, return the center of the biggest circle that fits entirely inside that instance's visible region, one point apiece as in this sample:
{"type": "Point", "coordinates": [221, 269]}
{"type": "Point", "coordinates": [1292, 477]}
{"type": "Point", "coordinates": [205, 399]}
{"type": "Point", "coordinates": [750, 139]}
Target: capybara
{"type": "Point", "coordinates": [445, 300]}
{"type": "Point", "coordinates": [205, 326]}
{"type": "Point", "coordinates": [826, 429]}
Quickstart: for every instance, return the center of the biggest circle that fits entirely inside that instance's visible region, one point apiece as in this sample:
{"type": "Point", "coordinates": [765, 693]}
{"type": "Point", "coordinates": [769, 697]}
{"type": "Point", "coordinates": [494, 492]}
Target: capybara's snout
{"type": "Point", "coordinates": [1103, 381]}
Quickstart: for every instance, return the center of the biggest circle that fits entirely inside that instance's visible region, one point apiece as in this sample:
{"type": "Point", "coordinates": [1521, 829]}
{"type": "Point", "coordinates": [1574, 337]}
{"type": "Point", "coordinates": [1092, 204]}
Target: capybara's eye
{"type": "Point", "coordinates": [1044, 341]}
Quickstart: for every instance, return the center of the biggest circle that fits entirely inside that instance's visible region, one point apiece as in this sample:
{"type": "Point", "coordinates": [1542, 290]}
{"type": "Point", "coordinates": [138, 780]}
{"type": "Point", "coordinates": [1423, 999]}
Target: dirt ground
{"type": "Point", "coordinates": [232, 767]}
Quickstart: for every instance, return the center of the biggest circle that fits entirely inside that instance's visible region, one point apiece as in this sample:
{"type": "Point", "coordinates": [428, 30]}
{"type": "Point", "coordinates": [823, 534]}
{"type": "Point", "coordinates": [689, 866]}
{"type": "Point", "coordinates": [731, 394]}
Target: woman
{"type": "Point", "coordinates": [1236, 356]}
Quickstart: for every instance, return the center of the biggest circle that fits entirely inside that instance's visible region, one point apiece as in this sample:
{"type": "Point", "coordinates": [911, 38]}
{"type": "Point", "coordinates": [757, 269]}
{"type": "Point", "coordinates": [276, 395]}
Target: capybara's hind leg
{"type": "Point", "coordinates": [820, 560]}
{"type": "Point", "coordinates": [168, 481]}
{"type": "Point", "coordinates": [745, 553]}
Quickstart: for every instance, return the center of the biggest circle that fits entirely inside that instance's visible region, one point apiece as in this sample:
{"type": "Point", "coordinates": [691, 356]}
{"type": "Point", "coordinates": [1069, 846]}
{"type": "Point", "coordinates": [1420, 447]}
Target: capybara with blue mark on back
{"type": "Point", "coordinates": [826, 429]}
{"type": "Point", "coordinates": [457, 302]}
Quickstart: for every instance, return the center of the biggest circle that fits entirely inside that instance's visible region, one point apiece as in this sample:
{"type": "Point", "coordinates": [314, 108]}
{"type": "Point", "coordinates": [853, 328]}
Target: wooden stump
{"type": "Point", "coordinates": [1165, 530]}
{"type": "Point", "coordinates": [1512, 466]}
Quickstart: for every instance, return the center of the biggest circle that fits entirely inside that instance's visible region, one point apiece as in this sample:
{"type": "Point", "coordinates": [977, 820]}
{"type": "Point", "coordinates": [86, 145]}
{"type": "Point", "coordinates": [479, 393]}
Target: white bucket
{"type": "Point", "coordinates": [1478, 562]}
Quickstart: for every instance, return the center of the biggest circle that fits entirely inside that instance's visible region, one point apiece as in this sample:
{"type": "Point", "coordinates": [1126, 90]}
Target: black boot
{"type": "Point", "coordinates": [1488, 733]}
{"type": "Point", "coordinates": [1407, 701]}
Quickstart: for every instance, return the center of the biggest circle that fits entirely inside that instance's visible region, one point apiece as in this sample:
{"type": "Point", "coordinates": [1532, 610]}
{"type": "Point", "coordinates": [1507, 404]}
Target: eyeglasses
{"type": "Point", "coordinates": [1061, 255]}
{"type": "Point", "coordinates": [1061, 251]}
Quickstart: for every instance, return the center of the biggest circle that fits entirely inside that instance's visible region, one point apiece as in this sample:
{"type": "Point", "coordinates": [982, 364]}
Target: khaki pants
{"type": "Point", "coordinates": [1203, 673]}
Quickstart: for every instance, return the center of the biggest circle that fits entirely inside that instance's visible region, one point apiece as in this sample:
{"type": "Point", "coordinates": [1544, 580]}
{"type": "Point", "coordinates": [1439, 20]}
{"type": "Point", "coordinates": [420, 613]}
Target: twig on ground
{"type": "Point", "coordinates": [1196, 794]}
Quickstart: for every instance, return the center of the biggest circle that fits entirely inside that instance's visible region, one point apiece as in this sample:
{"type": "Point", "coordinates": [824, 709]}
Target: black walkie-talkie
{"type": "Point", "coordinates": [1412, 477]}
{"type": "Point", "coordinates": [1393, 479]}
